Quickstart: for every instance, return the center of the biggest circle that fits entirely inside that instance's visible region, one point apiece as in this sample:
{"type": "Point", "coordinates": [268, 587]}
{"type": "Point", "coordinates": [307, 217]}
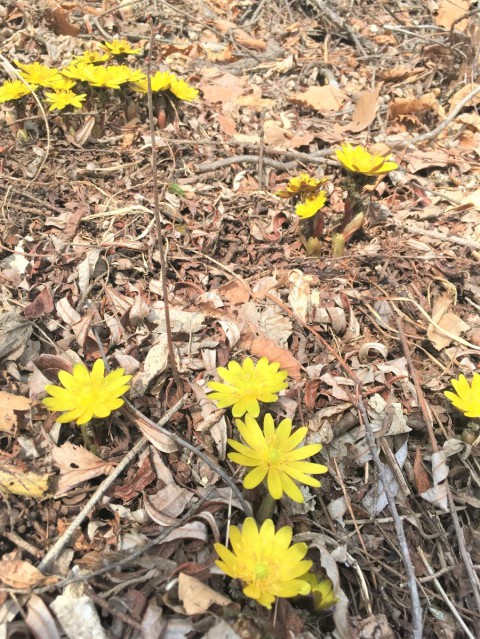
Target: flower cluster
{"type": "Point", "coordinates": [85, 395]}
{"type": "Point", "coordinates": [274, 454]}
{"type": "Point", "coordinates": [308, 193]}
{"type": "Point", "coordinates": [467, 396]}
{"type": "Point", "coordinates": [89, 69]}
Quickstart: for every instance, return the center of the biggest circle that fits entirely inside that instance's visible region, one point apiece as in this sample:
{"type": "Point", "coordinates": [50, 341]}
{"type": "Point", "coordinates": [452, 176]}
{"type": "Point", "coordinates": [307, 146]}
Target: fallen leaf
{"type": "Point", "coordinates": [77, 465]}
{"type": "Point", "coordinates": [422, 478]}
{"type": "Point", "coordinates": [365, 111]}
{"type": "Point", "coordinates": [446, 320]}
{"type": "Point", "coordinates": [26, 484]}
{"type": "Point", "coordinates": [15, 332]}
{"type": "Point", "coordinates": [409, 106]}
{"type": "Point", "coordinates": [196, 596]}
{"type": "Point", "coordinates": [462, 93]}
{"type": "Point", "coordinates": [77, 615]}
{"type": "Point", "coordinates": [262, 347]}
{"type": "Point", "coordinates": [323, 99]}
{"type": "Point", "coordinates": [40, 306]}
{"type": "Point", "coordinates": [16, 573]}
{"type": "Point", "coordinates": [8, 404]}
{"type": "Point", "coordinates": [40, 620]}
{"type": "Point", "coordinates": [451, 10]}
{"type": "Point", "coordinates": [239, 35]}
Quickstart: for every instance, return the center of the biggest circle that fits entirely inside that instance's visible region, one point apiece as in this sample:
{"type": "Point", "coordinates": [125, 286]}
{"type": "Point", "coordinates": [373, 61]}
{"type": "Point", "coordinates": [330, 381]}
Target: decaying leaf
{"type": "Point", "coordinates": [15, 332]}
{"type": "Point", "coordinates": [20, 574]}
{"type": "Point", "coordinates": [8, 405]}
{"type": "Point", "coordinates": [77, 465]}
{"type": "Point", "coordinates": [196, 596]}
{"type": "Point", "coordinates": [322, 99]}
{"type": "Point", "coordinates": [26, 484]}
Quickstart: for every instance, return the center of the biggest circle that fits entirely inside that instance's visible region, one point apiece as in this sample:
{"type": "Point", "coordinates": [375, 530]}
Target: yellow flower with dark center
{"type": "Point", "coordinates": [276, 455]}
{"type": "Point", "coordinates": [182, 90]}
{"type": "Point", "coordinates": [322, 592]}
{"type": "Point", "coordinates": [467, 396]}
{"type": "Point", "coordinates": [358, 160]}
{"type": "Point", "coordinates": [63, 98]}
{"type": "Point", "coordinates": [13, 90]}
{"type": "Point", "coordinates": [119, 47]}
{"type": "Point", "coordinates": [310, 204]}
{"type": "Point", "coordinates": [248, 384]}
{"type": "Point", "coordinates": [160, 81]}
{"type": "Point", "coordinates": [301, 184]}
{"type": "Point", "coordinates": [87, 394]}
{"type": "Point", "coordinates": [265, 561]}
{"type": "Point", "coordinates": [37, 74]}
{"type": "Point", "coordinates": [93, 57]}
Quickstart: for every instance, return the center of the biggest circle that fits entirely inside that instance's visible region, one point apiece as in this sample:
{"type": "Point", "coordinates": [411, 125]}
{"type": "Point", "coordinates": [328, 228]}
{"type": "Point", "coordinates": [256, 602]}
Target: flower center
{"type": "Point", "coordinates": [261, 571]}
{"type": "Point", "coordinates": [273, 456]}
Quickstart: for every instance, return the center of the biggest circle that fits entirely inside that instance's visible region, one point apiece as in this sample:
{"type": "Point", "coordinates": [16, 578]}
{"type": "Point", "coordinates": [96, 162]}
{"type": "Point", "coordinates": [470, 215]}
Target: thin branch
{"type": "Point", "coordinates": [417, 617]}
{"type": "Point", "coordinates": [68, 534]}
{"type": "Point", "coordinates": [429, 135]}
{"type": "Point", "coordinates": [182, 443]}
{"type": "Point", "coordinates": [158, 220]}
{"type": "Point", "coordinates": [427, 418]}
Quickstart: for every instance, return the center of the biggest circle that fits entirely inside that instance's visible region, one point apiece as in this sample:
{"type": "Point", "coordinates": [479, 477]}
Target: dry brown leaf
{"type": "Point", "coordinates": [41, 305]}
{"type": "Point", "coordinates": [59, 20]}
{"type": "Point", "coordinates": [422, 478]}
{"type": "Point", "coordinates": [446, 320]}
{"type": "Point", "coordinates": [16, 573]}
{"type": "Point", "coordinates": [451, 10]}
{"type": "Point", "coordinates": [26, 484]}
{"type": "Point", "coordinates": [220, 87]}
{"type": "Point", "coordinates": [462, 93]}
{"type": "Point", "coordinates": [234, 292]}
{"type": "Point", "coordinates": [77, 465]}
{"type": "Point", "coordinates": [240, 36]}
{"type": "Point", "coordinates": [323, 99]}
{"type": "Point", "coordinates": [410, 106]}
{"type": "Point", "coordinates": [8, 404]}
{"type": "Point", "coordinates": [196, 596]}
{"type": "Point", "coordinates": [262, 347]}
{"type": "Point", "coordinates": [365, 111]}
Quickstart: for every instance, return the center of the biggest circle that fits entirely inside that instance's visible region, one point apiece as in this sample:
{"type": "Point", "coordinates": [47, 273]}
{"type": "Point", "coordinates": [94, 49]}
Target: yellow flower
{"type": "Point", "coordinates": [119, 47]}
{"type": "Point", "coordinates": [13, 90]}
{"type": "Point", "coordinates": [358, 160]}
{"type": "Point", "coordinates": [309, 205]}
{"type": "Point", "coordinates": [93, 57]}
{"type": "Point", "coordinates": [248, 384]}
{"type": "Point", "coordinates": [61, 99]}
{"type": "Point", "coordinates": [182, 90]}
{"type": "Point", "coordinates": [37, 73]}
{"type": "Point", "coordinates": [61, 83]}
{"type": "Point", "coordinates": [467, 397]}
{"type": "Point", "coordinates": [160, 81]}
{"type": "Point", "coordinates": [275, 454]}
{"type": "Point", "coordinates": [303, 183]}
{"type": "Point", "coordinates": [79, 71]}
{"type": "Point", "coordinates": [112, 77]}
{"type": "Point", "coordinates": [265, 561]}
{"type": "Point", "coordinates": [86, 395]}
{"type": "Point", "coordinates": [322, 592]}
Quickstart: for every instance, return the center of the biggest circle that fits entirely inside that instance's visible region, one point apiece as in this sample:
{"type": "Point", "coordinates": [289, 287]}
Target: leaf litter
{"type": "Point", "coordinates": [281, 88]}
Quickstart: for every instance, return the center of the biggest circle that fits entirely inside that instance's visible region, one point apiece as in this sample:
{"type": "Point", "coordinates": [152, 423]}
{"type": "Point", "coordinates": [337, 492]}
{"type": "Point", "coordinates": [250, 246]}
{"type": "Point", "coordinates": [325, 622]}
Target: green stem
{"type": "Point", "coordinates": [266, 508]}
{"type": "Point", "coordinates": [84, 428]}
